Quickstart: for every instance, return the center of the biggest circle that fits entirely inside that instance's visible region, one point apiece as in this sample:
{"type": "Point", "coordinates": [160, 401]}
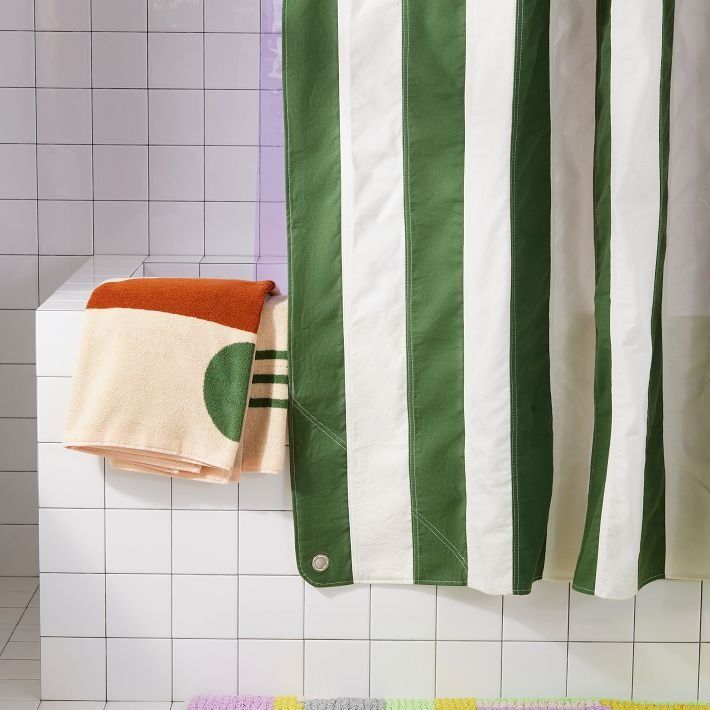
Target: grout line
{"type": "Point", "coordinates": [19, 621]}
{"type": "Point", "coordinates": [148, 89]}
{"type": "Point", "coordinates": [633, 650]}
{"type": "Point", "coordinates": [700, 638]}
{"type": "Point", "coordinates": [569, 598]}
{"type": "Point", "coordinates": [204, 140]}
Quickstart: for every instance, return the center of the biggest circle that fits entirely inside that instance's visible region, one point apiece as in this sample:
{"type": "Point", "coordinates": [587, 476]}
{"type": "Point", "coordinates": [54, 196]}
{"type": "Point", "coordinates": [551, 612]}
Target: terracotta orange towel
{"type": "Point", "coordinates": [164, 376]}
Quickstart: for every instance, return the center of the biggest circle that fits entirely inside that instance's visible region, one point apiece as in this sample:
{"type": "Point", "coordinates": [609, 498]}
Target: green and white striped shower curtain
{"type": "Point", "coordinates": [499, 249]}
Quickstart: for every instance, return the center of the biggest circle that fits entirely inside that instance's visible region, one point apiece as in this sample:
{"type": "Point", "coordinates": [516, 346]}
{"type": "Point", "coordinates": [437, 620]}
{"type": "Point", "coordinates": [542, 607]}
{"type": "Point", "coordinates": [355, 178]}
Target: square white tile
{"type": "Point", "coordinates": [139, 669]}
{"type": "Point", "coordinates": [17, 115]}
{"type": "Point", "coordinates": [128, 16]}
{"type": "Point", "coordinates": [704, 677]}
{"type": "Point", "coordinates": [205, 542]}
{"type": "Point", "coordinates": [52, 401]}
{"type": "Point", "coordinates": [18, 498]}
{"type": "Point", "coordinates": [176, 173]}
{"type": "Point", "coordinates": [17, 59]}
{"type": "Point", "coordinates": [270, 667]}
{"type": "Point", "coordinates": [121, 172]}
{"type": "Point", "coordinates": [65, 228]}
{"type": "Point", "coordinates": [18, 549]}
{"type": "Point", "coordinates": [402, 669]}
{"type": "Point", "coordinates": [138, 605]}
{"type": "Point", "coordinates": [16, 15]}
{"type": "Point", "coordinates": [666, 671]}
{"type": "Point", "coordinates": [231, 173]}
{"type": "Point", "coordinates": [668, 610]}
{"type": "Point", "coordinates": [337, 612]}
{"type": "Point", "coordinates": [18, 444]}
{"type": "Point", "coordinates": [64, 172]}
{"type": "Point", "coordinates": [119, 60]}
{"type": "Point", "coordinates": [73, 668]}
{"type": "Point", "coordinates": [63, 59]}
{"type": "Point", "coordinates": [177, 227]}
{"type": "Point", "coordinates": [196, 495]}
{"type": "Point", "coordinates": [232, 117]}
{"type": "Point", "coordinates": [176, 117]}
{"type": "Point", "coordinates": [271, 607]}
{"type": "Point", "coordinates": [18, 391]}
{"type": "Point", "coordinates": [468, 669]}
{"type": "Point", "coordinates": [175, 60]}
{"type": "Point", "coordinates": [73, 605]}
{"type": "Point", "coordinates": [534, 669]}
{"type": "Point", "coordinates": [538, 616]}
{"type": "Point", "coordinates": [595, 619]}
{"type": "Point", "coordinates": [128, 489]}
{"type": "Point", "coordinates": [231, 228]}
{"type": "Point", "coordinates": [229, 16]}
{"type": "Point", "coordinates": [337, 669]}
{"type": "Point", "coordinates": [121, 228]}
{"type": "Point", "coordinates": [138, 541]}
{"type": "Point", "coordinates": [68, 15]}
{"type": "Point", "coordinates": [69, 479]}
{"type": "Point", "coordinates": [18, 174]}
{"type": "Point", "coordinates": [71, 540]}
{"type": "Point", "coordinates": [204, 666]}
{"type": "Point", "coordinates": [164, 16]}
{"type": "Point", "coordinates": [465, 614]}
{"type": "Point", "coordinates": [19, 218]}
{"type": "Point", "coordinates": [266, 543]}
{"type": "Point", "coordinates": [21, 346]}
{"type": "Point", "coordinates": [599, 670]}
{"type": "Point", "coordinates": [205, 606]}
{"type": "Point", "coordinates": [231, 61]}
{"type": "Point", "coordinates": [403, 612]}
{"type": "Point", "coordinates": [120, 116]}
{"type": "Point", "coordinates": [64, 115]}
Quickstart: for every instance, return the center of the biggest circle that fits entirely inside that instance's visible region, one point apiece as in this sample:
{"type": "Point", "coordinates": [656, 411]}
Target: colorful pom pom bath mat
{"type": "Point", "coordinates": [251, 702]}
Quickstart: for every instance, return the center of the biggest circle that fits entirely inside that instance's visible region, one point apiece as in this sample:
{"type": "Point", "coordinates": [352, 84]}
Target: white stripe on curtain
{"type": "Point", "coordinates": [686, 299]}
{"type": "Point", "coordinates": [490, 62]}
{"type": "Point", "coordinates": [373, 247]}
{"type": "Point", "coordinates": [636, 44]}
{"type": "Point", "coordinates": [573, 54]}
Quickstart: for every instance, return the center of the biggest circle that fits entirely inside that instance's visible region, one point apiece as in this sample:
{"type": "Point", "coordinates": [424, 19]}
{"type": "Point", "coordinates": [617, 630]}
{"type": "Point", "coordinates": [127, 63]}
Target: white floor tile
{"type": "Point", "coordinates": [71, 705]}
{"type": "Point", "coordinates": [600, 670]}
{"type": "Point", "coordinates": [19, 670]}
{"type": "Point", "coordinates": [9, 616]}
{"type": "Point", "coordinates": [26, 632]}
{"type": "Point", "coordinates": [20, 650]}
{"type": "Point", "coordinates": [468, 669]}
{"type": "Point", "coordinates": [19, 689]}
{"type": "Point", "coordinates": [19, 584]}
{"type": "Point", "coordinates": [336, 669]}
{"type": "Point", "coordinates": [402, 669]}
{"type": "Point", "coordinates": [19, 704]}
{"type": "Point", "coordinates": [15, 599]}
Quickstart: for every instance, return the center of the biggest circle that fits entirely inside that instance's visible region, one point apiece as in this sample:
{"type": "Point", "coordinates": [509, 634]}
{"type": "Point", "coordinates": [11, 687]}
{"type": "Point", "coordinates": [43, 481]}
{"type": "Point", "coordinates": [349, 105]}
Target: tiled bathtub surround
{"type": "Point", "coordinates": [126, 127]}
{"type": "Point", "coordinates": [156, 589]}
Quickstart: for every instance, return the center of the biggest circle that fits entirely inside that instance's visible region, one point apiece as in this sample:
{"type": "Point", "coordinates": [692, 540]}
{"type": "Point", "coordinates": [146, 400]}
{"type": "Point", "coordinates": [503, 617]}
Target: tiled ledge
{"type": "Point", "coordinates": [75, 291]}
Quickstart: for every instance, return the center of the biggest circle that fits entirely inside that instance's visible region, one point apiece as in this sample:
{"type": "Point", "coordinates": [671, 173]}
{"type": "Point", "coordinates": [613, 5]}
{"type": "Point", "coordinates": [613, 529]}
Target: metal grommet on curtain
{"type": "Point", "coordinates": [320, 563]}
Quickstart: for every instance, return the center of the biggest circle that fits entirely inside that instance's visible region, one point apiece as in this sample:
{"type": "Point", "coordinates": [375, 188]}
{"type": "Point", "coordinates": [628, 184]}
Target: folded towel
{"type": "Point", "coordinates": [163, 381]}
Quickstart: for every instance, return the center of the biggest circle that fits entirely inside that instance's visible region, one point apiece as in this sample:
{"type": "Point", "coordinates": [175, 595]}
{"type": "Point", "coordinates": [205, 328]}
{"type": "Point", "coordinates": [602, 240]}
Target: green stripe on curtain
{"type": "Point", "coordinates": [531, 408]}
{"type": "Point", "coordinates": [434, 52]}
{"type": "Point", "coordinates": [585, 573]}
{"type": "Point", "coordinates": [652, 555]}
{"type": "Point", "coordinates": [316, 423]}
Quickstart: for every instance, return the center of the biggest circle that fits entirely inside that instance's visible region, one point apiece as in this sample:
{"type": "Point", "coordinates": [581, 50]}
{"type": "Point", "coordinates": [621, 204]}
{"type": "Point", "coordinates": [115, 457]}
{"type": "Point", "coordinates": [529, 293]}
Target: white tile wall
{"type": "Point", "coordinates": [117, 121]}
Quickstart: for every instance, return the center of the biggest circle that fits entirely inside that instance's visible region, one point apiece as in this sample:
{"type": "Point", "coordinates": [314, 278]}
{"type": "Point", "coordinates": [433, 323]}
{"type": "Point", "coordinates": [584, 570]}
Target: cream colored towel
{"type": "Point", "coordinates": [163, 382]}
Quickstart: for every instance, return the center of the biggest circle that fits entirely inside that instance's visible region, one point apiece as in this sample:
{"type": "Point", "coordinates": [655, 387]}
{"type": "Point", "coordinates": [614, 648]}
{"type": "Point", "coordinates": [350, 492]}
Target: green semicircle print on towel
{"type": "Point", "coordinates": [226, 387]}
